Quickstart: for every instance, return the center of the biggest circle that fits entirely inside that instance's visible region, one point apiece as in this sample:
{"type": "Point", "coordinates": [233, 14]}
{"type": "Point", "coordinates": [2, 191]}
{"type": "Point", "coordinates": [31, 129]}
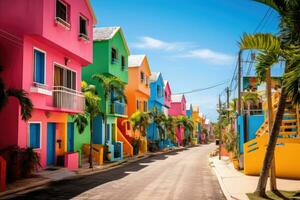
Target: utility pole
{"type": "Point", "coordinates": [227, 93]}
{"type": "Point", "coordinates": [239, 82]}
{"type": "Point", "coordinates": [220, 127]}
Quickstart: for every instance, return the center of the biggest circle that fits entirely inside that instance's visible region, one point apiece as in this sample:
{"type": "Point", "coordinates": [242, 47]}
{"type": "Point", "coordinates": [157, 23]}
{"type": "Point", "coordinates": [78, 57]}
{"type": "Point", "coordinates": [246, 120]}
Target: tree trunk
{"type": "Point", "coordinates": [269, 155]}
{"type": "Point", "coordinates": [270, 118]}
{"type": "Point", "coordinates": [91, 144]}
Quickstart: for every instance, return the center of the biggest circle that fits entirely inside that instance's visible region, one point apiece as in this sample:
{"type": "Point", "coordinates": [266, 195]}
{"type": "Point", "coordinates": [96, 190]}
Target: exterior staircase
{"type": "Point", "coordinates": [98, 151]}
{"type": "Point", "coordinates": [287, 158]}
{"type": "Point", "coordinates": [127, 147]}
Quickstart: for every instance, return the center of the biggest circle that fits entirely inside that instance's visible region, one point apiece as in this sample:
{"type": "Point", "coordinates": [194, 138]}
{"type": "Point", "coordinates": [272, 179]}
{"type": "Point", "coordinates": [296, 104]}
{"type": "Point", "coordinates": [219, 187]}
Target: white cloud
{"type": "Point", "coordinates": [210, 56]}
{"type": "Point", "coordinates": [147, 42]}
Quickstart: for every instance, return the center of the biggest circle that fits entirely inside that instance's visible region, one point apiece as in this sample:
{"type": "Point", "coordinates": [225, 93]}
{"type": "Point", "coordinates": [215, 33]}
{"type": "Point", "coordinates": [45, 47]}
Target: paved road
{"type": "Point", "coordinates": [183, 175]}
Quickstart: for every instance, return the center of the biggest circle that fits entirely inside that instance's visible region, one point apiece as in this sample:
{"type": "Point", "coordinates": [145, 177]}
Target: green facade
{"type": "Point", "coordinates": [102, 63]}
{"type": "Point", "coordinates": [80, 138]}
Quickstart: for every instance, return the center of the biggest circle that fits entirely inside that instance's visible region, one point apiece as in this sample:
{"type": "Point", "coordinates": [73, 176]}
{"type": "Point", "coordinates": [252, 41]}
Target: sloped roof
{"type": "Point", "coordinates": [176, 97]}
{"type": "Point", "coordinates": [107, 33]}
{"type": "Point", "coordinates": [135, 60]}
{"type": "Point", "coordinates": [154, 76]}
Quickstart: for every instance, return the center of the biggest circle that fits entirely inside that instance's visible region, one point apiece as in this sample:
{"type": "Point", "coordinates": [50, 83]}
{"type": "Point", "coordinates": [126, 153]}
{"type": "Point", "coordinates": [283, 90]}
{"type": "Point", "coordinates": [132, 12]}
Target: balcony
{"type": "Point", "coordinates": [118, 108]}
{"type": "Point", "coordinates": [65, 98]}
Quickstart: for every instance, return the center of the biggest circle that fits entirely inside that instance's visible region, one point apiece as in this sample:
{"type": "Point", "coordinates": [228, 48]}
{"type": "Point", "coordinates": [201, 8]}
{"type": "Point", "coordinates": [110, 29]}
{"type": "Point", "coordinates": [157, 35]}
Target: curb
{"type": "Point", "coordinates": [88, 172]}
{"type": "Point", "coordinates": [24, 188]}
{"type": "Point", "coordinates": [222, 185]}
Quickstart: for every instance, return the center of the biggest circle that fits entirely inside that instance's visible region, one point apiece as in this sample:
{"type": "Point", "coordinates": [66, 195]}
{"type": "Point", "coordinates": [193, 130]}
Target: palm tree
{"type": "Point", "coordinates": [250, 98]}
{"type": "Point", "coordinates": [111, 86]}
{"type": "Point", "coordinates": [158, 119]}
{"type": "Point", "coordinates": [271, 48]}
{"type": "Point", "coordinates": [186, 123]}
{"type": "Point", "coordinates": [139, 121]}
{"type": "Point", "coordinates": [21, 95]}
{"type": "Point", "coordinates": [170, 125]}
{"type": "Point", "coordinates": [92, 110]}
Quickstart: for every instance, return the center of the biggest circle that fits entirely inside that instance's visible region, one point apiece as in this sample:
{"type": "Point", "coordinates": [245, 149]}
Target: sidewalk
{"type": "Point", "coordinates": [235, 184]}
{"type": "Point", "coordinates": [44, 177]}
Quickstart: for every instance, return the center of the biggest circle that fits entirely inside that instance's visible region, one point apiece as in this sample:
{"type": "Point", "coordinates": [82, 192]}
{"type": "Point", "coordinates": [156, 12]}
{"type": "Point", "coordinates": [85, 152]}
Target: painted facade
{"type": "Point", "coordinates": [43, 53]}
{"type": "Point", "coordinates": [167, 97]}
{"type": "Point", "coordinates": [137, 93]}
{"type": "Point", "coordinates": [110, 59]}
{"type": "Point", "coordinates": [156, 100]}
{"type": "Point", "coordinates": [178, 108]}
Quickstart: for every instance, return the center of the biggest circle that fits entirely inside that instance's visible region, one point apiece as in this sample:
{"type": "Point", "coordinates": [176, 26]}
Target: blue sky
{"type": "Point", "coordinates": [192, 42]}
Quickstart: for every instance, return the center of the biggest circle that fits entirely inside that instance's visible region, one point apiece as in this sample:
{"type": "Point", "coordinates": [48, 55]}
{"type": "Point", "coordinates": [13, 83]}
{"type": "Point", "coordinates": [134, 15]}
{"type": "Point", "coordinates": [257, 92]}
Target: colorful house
{"type": "Point", "coordinates": [137, 93]}
{"type": "Point", "coordinates": [110, 59]}
{"type": "Point", "coordinates": [156, 101]}
{"type": "Point", "coordinates": [178, 108]}
{"type": "Point", "coordinates": [167, 97]}
{"type": "Point", "coordinates": [197, 124]}
{"type": "Point", "coordinates": [43, 53]}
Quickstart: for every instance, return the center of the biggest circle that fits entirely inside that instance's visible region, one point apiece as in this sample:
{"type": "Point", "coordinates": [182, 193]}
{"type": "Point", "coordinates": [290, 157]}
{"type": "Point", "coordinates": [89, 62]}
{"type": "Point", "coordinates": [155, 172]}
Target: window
{"type": "Point", "coordinates": [137, 104]}
{"type": "Point", "coordinates": [83, 27]}
{"type": "Point", "coordinates": [145, 106]}
{"type": "Point", "coordinates": [147, 81]}
{"type": "Point", "coordinates": [158, 90]}
{"type": "Point", "coordinates": [62, 13]}
{"type": "Point", "coordinates": [142, 77]}
{"type": "Point", "coordinates": [183, 107]}
{"type": "Point", "coordinates": [64, 77]}
{"type": "Point", "coordinates": [39, 67]}
{"type": "Point", "coordinates": [123, 63]}
{"type": "Point", "coordinates": [35, 135]}
{"type": "Point", "coordinates": [114, 56]}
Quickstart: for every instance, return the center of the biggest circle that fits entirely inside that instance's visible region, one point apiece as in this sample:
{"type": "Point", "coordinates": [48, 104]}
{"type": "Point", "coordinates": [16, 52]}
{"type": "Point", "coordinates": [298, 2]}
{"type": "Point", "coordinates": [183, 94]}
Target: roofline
{"type": "Point", "coordinates": [92, 11]}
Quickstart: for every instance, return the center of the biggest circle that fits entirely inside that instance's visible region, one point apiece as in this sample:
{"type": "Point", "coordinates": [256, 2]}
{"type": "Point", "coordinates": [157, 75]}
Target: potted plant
{"type": "Point", "coordinates": [107, 153]}
{"type": "Point", "coordinates": [230, 140]}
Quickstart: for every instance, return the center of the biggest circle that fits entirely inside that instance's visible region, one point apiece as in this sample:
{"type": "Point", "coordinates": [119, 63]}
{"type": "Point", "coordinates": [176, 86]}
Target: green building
{"type": "Point", "coordinates": [110, 58]}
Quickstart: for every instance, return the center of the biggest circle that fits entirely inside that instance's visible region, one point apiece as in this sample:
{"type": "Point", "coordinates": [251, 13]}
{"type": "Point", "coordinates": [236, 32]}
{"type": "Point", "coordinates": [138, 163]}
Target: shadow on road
{"type": "Point", "coordinates": [69, 188]}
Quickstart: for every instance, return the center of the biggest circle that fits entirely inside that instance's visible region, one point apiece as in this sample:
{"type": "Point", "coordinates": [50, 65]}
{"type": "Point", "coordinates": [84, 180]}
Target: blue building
{"type": "Point", "coordinates": [156, 100]}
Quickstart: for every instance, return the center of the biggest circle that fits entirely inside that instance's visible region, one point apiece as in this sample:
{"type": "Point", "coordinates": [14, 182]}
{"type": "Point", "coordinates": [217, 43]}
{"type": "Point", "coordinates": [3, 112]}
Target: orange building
{"type": "Point", "coordinates": [137, 92]}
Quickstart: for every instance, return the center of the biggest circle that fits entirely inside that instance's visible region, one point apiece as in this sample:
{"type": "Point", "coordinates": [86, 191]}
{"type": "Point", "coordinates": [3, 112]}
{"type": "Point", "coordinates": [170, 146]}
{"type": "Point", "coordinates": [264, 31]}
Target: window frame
{"type": "Point", "coordinates": [28, 135]}
{"type": "Point", "coordinates": [114, 60]}
{"type": "Point", "coordinates": [65, 68]}
{"type": "Point", "coordinates": [123, 62]}
{"type": "Point", "coordinates": [66, 23]}
{"type": "Point", "coordinates": [34, 66]}
{"type": "Point", "coordinates": [142, 77]}
{"type": "Point", "coordinates": [81, 35]}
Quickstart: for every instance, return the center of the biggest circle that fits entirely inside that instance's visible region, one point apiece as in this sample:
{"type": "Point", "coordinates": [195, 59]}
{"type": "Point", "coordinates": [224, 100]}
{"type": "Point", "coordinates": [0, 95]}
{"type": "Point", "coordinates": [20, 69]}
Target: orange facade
{"type": "Point", "coordinates": [137, 92]}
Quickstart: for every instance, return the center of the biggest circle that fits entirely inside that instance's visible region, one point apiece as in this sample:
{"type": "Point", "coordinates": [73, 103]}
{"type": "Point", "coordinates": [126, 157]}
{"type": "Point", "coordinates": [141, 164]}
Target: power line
{"type": "Point", "coordinates": [202, 89]}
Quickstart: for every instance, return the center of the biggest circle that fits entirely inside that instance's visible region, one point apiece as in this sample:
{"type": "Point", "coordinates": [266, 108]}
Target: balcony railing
{"type": "Point", "coordinates": [66, 98]}
{"type": "Point", "coordinates": [253, 111]}
{"type": "Point", "coordinates": [118, 108]}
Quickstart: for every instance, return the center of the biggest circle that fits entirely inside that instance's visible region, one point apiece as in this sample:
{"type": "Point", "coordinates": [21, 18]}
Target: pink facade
{"type": "Point", "coordinates": [167, 97]}
{"type": "Point", "coordinates": [178, 108]}
{"type": "Point", "coordinates": [32, 26]}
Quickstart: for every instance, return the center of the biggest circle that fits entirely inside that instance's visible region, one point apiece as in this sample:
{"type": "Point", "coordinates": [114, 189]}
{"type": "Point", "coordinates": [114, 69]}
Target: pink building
{"type": "Point", "coordinates": [167, 97]}
{"type": "Point", "coordinates": [43, 45]}
{"type": "Point", "coordinates": [178, 108]}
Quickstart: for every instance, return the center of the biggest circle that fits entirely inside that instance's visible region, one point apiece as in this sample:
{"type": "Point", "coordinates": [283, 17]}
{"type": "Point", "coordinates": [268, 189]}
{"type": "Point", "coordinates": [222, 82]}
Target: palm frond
{"type": "Point", "coordinates": [265, 59]}
{"type": "Point", "coordinates": [260, 41]}
{"type": "Point", "coordinates": [292, 84]}
{"type": "Point", "coordinates": [278, 5]}
{"type": "Point", "coordinates": [81, 122]}
{"type": "Point", "coordinates": [25, 102]}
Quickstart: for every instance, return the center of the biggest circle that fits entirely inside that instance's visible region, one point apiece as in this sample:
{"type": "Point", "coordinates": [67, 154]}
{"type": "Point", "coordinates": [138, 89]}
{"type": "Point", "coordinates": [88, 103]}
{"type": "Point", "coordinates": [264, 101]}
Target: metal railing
{"type": "Point", "coordinates": [66, 98]}
{"type": "Point", "coordinates": [118, 108]}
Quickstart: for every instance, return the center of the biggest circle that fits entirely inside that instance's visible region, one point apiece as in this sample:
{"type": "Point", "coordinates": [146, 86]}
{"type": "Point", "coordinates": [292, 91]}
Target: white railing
{"type": "Point", "coordinates": [66, 98]}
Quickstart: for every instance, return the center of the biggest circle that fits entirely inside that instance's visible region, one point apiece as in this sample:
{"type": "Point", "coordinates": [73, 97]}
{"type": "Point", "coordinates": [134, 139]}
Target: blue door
{"type": "Point", "coordinates": [51, 143]}
{"type": "Point", "coordinates": [70, 137]}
